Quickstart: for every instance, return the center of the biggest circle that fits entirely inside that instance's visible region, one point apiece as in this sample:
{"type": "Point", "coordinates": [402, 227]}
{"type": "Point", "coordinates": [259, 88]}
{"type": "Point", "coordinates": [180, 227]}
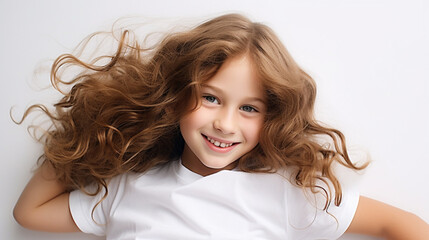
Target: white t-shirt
{"type": "Point", "coordinates": [172, 202]}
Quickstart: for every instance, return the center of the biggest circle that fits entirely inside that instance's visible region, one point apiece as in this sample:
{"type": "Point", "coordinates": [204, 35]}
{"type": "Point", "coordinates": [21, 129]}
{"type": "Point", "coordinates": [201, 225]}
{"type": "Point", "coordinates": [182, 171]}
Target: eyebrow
{"type": "Point", "coordinates": [216, 89]}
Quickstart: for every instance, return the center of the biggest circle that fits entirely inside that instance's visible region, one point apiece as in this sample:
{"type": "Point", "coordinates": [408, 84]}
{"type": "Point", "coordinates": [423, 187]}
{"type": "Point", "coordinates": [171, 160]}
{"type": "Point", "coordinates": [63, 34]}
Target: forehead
{"type": "Point", "coordinates": [238, 76]}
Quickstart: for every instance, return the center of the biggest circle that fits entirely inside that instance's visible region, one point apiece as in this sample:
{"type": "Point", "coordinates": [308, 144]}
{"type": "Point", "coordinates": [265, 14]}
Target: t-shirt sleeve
{"type": "Point", "coordinates": [90, 215]}
{"type": "Point", "coordinates": [308, 220]}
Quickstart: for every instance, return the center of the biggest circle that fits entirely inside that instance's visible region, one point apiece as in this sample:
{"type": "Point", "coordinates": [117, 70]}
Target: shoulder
{"type": "Point", "coordinates": [120, 183]}
{"type": "Point", "coordinates": [91, 212]}
{"type": "Point", "coordinates": [307, 214]}
{"type": "Point", "coordinates": [153, 177]}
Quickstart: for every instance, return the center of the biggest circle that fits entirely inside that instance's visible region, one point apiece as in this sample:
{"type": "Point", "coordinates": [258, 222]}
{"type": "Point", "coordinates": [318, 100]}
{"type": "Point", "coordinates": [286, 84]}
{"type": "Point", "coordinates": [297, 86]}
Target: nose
{"type": "Point", "coordinates": [226, 121]}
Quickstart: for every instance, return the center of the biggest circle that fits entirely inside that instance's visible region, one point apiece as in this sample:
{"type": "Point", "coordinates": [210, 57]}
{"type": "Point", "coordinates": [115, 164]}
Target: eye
{"type": "Point", "coordinates": [247, 108]}
{"type": "Point", "coordinates": [211, 99]}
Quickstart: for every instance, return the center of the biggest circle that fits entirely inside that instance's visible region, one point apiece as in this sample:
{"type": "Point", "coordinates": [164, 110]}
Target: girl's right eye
{"type": "Point", "coordinates": [211, 99]}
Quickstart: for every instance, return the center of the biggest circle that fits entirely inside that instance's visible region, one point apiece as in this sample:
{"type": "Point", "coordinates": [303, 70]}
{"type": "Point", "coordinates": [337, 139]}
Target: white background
{"type": "Point", "coordinates": [370, 59]}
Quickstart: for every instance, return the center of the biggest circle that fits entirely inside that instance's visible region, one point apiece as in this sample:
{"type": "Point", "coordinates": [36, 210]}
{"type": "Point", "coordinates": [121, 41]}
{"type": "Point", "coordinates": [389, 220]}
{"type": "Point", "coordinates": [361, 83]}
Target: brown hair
{"type": "Point", "coordinates": [123, 116]}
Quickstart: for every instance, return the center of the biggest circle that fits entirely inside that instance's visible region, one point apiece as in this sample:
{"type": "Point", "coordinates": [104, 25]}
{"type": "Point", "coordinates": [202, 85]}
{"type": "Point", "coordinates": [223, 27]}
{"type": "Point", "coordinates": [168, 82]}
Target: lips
{"type": "Point", "coordinates": [219, 145]}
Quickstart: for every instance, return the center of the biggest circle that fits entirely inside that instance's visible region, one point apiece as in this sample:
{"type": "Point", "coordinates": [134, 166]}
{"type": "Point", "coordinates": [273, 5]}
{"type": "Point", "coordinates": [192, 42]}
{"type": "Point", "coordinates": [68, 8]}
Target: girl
{"type": "Point", "coordinates": [210, 134]}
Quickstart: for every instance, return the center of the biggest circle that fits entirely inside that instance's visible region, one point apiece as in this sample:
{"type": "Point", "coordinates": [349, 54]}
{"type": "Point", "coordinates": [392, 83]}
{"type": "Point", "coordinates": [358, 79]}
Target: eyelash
{"type": "Point", "coordinates": [212, 99]}
{"type": "Point", "coordinates": [252, 109]}
{"type": "Point", "coordinates": [207, 97]}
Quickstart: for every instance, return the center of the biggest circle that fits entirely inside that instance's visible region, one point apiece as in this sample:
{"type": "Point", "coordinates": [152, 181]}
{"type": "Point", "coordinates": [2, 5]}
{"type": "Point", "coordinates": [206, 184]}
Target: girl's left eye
{"type": "Point", "coordinates": [248, 109]}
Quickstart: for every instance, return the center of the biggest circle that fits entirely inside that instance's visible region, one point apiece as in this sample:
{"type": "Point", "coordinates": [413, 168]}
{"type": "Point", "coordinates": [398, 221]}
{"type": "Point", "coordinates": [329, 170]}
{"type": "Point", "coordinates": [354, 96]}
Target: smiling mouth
{"type": "Point", "coordinates": [218, 143]}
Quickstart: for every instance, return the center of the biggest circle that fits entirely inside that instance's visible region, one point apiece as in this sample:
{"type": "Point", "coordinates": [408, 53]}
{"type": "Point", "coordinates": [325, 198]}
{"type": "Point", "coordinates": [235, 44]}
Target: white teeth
{"type": "Point", "coordinates": [219, 144]}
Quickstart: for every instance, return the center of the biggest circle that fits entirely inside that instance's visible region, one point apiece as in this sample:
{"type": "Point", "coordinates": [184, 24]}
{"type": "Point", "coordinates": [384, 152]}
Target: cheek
{"type": "Point", "coordinates": [252, 129]}
{"type": "Point", "coordinates": [193, 120]}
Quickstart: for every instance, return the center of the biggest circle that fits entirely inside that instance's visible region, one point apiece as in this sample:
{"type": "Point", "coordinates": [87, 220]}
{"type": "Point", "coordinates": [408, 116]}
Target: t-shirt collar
{"type": "Point", "coordinates": [185, 174]}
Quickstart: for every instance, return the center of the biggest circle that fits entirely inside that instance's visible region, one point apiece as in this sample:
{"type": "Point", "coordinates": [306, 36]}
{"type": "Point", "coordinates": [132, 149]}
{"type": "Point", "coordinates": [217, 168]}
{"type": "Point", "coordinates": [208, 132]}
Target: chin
{"type": "Point", "coordinates": [219, 166]}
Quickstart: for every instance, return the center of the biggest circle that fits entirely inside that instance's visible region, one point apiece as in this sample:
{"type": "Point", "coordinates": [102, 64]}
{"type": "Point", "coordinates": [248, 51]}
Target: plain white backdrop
{"type": "Point", "coordinates": [370, 60]}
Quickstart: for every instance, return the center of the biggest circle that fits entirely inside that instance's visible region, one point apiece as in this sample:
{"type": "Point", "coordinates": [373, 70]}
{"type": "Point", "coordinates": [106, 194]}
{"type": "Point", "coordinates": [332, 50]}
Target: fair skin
{"type": "Point", "coordinates": [232, 120]}
{"type": "Point", "coordinates": [227, 123]}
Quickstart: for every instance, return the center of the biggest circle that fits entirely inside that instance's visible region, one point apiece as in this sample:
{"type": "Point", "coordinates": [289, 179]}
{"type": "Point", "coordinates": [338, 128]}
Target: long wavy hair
{"type": "Point", "coordinates": [124, 116]}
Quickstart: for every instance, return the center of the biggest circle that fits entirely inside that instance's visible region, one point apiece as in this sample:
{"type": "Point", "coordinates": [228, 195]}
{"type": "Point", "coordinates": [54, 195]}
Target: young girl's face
{"type": "Point", "coordinates": [228, 121]}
